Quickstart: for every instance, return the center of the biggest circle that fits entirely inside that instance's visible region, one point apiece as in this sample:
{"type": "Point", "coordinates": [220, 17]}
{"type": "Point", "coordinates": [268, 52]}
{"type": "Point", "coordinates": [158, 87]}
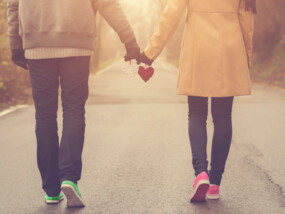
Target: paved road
{"type": "Point", "coordinates": [137, 155]}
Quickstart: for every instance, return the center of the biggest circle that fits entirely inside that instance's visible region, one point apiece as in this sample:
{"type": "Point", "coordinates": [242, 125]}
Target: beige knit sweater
{"type": "Point", "coordinates": [47, 53]}
{"type": "Point", "coordinates": [65, 23]}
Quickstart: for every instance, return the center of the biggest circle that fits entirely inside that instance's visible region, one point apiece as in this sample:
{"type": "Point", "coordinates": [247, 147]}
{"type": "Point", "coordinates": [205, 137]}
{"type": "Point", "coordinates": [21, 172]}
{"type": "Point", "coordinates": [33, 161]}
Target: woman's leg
{"type": "Point", "coordinates": [222, 117]}
{"type": "Point", "coordinates": [198, 110]}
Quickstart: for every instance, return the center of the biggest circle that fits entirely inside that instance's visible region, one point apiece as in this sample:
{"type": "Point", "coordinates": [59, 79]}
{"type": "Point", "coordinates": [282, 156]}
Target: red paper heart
{"type": "Point", "coordinates": [146, 73]}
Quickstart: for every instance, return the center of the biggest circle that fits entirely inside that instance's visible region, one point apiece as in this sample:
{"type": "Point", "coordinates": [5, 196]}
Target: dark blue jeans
{"type": "Point", "coordinates": [59, 162]}
{"type": "Point", "coordinates": [222, 118]}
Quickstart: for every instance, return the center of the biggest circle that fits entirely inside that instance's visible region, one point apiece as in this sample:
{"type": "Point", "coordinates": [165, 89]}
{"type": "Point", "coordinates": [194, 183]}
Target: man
{"type": "Point", "coordinates": [53, 38]}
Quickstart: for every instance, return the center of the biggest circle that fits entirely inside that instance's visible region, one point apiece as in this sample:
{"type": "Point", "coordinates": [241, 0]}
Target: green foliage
{"type": "Point", "coordinates": [14, 82]}
{"type": "Point", "coordinates": [269, 27]}
{"type": "Point", "coordinates": [272, 69]}
{"type": "Point", "coordinates": [269, 43]}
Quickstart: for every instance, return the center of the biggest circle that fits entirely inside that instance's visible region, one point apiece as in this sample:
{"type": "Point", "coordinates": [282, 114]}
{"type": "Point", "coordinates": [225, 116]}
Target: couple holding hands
{"type": "Point", "coordinates": [54, 40]}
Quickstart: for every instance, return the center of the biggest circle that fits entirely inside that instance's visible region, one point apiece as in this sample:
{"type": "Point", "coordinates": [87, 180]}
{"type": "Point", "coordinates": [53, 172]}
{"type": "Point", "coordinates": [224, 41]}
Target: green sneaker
{"type": "Point", "coordinates": [72, 194]}
{"type": "Point", "coordinates": [54, 200]}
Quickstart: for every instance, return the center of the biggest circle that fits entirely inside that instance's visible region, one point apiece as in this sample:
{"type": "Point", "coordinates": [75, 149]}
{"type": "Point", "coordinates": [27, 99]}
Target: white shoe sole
{"type": "Point", "coordinates": [72, 197]}
{"type": "Point", "coordinates": [53, 201]}
{"type": "Point", "coordinates": [213, 197]}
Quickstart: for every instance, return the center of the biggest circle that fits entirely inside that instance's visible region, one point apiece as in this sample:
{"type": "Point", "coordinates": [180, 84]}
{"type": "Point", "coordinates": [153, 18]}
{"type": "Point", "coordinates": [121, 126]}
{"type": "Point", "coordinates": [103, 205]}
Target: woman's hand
{"type": "Point", "coordinates": [144, 59]}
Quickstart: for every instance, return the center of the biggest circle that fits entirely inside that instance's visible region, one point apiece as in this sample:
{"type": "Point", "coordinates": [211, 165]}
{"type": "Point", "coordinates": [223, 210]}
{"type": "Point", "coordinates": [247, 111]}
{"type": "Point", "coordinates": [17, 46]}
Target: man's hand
{"type": "Point", "coordinates": [18, 58]}
{"type": "Point", "coordinates": [143, 59]}
{"type": "Point", "coordinates": [133, 50]}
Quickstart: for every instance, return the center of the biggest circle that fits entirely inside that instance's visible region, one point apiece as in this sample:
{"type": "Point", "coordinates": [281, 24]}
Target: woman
{"type": "Point", "coordinates": [215, 59]}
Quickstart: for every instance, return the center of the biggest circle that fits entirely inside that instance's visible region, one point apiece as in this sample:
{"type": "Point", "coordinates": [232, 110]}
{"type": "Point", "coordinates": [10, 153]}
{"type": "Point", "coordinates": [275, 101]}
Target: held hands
{"type": "Point", "coordinates": [144, 59]}
{"type": "Point", "coordinates": [133, 53]}
{"type": "Point", "coordinates": [18, 58]}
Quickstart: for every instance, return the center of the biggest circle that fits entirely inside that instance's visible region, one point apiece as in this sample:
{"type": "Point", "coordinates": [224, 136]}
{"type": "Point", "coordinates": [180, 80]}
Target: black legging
{"type": "Point", "coordinates": [221, 112]}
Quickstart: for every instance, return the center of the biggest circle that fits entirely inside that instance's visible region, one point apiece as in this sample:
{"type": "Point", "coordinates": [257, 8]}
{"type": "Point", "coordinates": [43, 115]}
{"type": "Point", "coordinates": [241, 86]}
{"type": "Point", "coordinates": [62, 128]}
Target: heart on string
{"type": "Point", "coordinates": [146, 73]}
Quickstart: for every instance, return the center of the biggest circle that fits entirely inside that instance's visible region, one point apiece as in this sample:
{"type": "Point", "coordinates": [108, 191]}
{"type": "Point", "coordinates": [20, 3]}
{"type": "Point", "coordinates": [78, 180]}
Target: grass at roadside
{"type": "Point", "coordinates": [24, 98]}
{"type": "Point", "coordinates": [271, 71]}
{"type": "Point", "coordinates": [174, 62]}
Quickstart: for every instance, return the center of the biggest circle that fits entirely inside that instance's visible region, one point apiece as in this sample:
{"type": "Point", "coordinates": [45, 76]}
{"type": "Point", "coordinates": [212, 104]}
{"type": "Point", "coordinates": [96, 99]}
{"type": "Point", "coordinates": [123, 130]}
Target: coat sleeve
{"type": "Point", "coordinates": [169, 22]}
{"type": "Point", "coordinates": [13, 24]}
{"type": "Point", "coordinates": [113, 13]}
{"type": "Point", "coordinates": [246, 19]}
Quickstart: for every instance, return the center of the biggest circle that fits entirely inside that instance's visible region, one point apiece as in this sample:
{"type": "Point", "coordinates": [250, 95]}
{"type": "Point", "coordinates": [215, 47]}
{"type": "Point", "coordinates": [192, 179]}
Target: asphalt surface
{"type": "Point", "coordinates": [137, 155]}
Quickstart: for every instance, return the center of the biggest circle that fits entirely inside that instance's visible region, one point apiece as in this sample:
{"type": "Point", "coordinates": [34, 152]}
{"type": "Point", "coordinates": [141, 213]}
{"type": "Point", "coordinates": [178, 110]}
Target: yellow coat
{"type": "Point", "coordinates": [216, 49]}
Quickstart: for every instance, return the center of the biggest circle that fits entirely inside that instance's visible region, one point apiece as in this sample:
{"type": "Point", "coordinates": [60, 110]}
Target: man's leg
{"type": "Point", "coordinates": [74, 73]}
{"type": "Point", "coordinates": [45, 81]}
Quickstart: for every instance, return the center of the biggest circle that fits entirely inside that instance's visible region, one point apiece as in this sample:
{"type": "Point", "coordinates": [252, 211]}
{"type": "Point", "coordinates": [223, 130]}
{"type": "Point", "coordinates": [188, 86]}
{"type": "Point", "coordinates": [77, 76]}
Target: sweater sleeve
{"type": "Point", "coordinates": [113, 13]}
{"type": "Point", "coordinates": [169, 22]}
{"type": "Point", "coordinates": [13, 24]}
{"type": "Point", "coordinates": [246, 19]}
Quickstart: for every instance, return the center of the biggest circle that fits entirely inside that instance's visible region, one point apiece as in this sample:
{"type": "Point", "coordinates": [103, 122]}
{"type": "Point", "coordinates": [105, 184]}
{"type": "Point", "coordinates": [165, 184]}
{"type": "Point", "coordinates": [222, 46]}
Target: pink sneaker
{"type": "Point", "coordinates": [213, 192]}
{"type": "Point", "coordinates": [200, 187]}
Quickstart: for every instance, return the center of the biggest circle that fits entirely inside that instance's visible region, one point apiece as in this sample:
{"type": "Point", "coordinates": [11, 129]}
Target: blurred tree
{"type": "Point", "coordinates": [269, 42]}
{"type": "Point", "coordinates": [270, 27]}
{"type": "Point", "coordinates": [14, 81]}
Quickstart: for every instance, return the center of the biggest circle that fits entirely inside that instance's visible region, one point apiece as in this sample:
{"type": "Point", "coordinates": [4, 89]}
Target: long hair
{"type": "Point", "coordinates": [250, 5]}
